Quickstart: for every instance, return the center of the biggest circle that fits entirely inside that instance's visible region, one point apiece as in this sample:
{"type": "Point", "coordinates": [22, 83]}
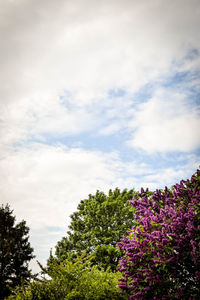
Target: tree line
{"type": "Point", "coordinates": [123, 245]}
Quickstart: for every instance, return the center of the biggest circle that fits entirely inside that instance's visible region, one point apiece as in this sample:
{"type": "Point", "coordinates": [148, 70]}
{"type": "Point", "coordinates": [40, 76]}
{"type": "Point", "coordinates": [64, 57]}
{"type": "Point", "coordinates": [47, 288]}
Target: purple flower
{"type": "Point", "coordinates": [164, 240]}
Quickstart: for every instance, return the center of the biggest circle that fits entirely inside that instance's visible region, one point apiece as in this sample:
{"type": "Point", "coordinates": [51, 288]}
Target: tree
{"type": "Point", "coordinates": [162, 251]}
{"type": "Point", "coordinates": [97, 226]}
{"type": "Point", "coordinates": [15, 251]}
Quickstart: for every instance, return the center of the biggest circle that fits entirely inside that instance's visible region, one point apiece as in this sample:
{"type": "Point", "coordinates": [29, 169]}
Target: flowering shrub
{"type": "Point", "coordinates": [162, 251]}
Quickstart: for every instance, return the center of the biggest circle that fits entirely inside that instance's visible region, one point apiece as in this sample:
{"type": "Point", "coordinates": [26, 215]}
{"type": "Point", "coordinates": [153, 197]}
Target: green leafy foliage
{"type": "Point", "coordinates": [72, 279]}
{"type": "Point", "coordinates": [98, 224]}
{"type": "Point", "coordinates": [15, 252]}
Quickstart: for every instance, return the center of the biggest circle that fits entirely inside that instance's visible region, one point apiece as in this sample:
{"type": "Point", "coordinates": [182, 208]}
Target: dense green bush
{"type": "Point", "coordinates": [72, 279]}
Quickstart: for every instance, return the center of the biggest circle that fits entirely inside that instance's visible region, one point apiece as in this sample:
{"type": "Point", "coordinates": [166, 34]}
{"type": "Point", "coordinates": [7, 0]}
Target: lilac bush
{"type": "Point", "coordinates": [162, 251]}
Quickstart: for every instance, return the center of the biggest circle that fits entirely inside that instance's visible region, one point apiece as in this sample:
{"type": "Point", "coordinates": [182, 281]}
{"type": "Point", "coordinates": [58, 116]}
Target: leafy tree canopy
{"type": "Point", "coordinates": [162, 251]}
{"type": "Point", "coordinates": [97, 225]}
{"type": "Point", "coordinates": [15, 251]}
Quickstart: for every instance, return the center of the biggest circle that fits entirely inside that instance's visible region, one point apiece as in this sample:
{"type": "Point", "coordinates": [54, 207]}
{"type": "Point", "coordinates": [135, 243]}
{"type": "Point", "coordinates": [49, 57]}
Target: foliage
{"type": "Point", "coordinates": [72, 279]}
{"type": "Point", "coordinates": [97, 225]}
{"type": "Point", "coordinates": [162, 251]}
{"type": "Point", "coordinates": [15, 252]}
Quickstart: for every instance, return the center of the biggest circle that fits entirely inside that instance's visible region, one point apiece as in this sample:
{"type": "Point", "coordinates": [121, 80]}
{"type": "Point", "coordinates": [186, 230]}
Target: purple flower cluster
{"type": "Point", "coordinates": [162, 251]}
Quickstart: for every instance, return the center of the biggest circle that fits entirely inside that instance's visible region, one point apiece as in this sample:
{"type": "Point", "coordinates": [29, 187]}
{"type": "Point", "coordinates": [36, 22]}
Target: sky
{"type": "Point", "coordinates": [94, 95]}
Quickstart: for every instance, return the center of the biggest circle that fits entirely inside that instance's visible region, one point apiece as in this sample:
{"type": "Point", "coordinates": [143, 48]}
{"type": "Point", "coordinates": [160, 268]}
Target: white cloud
{"type": "Point", "coordinates": [166, 123]}
{"type": "Point", "coordinates": [46, 183]}
{"type": "Point", "coordinates": [41, 115]}
{"type": "Point", "coordinates": [86, 48]}
{"type": "Point", "coordinates": [89, 47]}
{"type": "Point", "coordinates": [81, 50]}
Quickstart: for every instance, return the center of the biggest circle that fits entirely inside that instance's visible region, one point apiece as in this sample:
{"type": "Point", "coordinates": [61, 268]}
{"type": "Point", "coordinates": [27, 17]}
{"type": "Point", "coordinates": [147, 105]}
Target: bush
{"type": "Point", "coordinates": [72, 279]}
{"type": "Point", "coordinates": [162, 251]}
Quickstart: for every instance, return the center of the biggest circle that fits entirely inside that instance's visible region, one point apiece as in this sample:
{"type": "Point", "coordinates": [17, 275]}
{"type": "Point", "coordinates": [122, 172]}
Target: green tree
{"type": "Point", "coordinates": [98, 224]}
{"type": "Point", "coordinates": [15, 252]}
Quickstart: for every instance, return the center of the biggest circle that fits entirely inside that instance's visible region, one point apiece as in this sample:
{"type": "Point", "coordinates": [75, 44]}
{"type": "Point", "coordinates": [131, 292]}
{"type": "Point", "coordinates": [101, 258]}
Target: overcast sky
{"type": "Point", "coordinates": [94, 95]}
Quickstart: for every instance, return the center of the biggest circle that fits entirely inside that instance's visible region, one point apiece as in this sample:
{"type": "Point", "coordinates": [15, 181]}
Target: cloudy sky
{"type": "Point", "coordinates": [94, 95]}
